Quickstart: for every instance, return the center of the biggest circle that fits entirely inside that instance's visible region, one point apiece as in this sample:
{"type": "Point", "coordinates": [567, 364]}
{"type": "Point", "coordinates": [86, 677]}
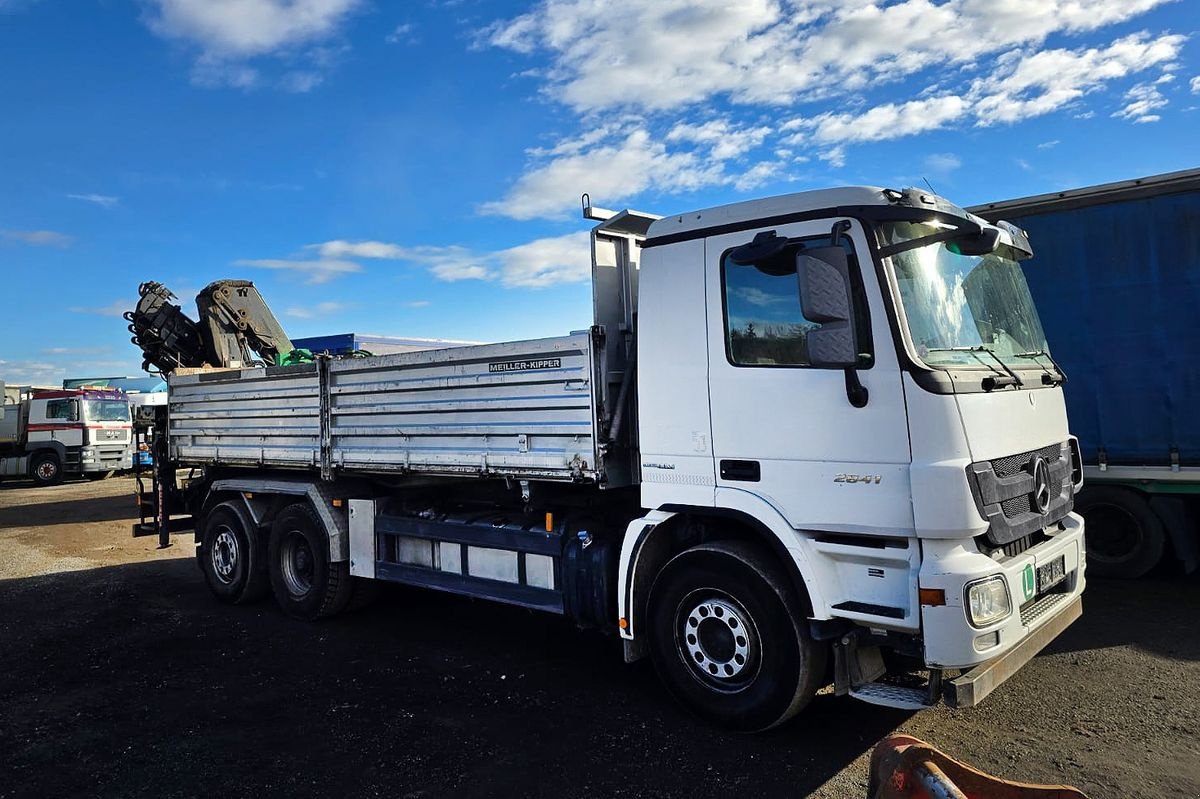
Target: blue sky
{"type": "Point", "coordinates": [414, 169]}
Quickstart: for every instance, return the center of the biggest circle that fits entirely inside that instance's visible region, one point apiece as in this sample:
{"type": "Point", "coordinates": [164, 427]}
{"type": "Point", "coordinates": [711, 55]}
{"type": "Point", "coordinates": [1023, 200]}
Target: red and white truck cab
{"type": "Point", "coordinates": [47, 434]}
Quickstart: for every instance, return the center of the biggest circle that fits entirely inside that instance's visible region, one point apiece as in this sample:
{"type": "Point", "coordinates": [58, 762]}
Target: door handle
{"type": "Point", "coordinates": [746, 471]}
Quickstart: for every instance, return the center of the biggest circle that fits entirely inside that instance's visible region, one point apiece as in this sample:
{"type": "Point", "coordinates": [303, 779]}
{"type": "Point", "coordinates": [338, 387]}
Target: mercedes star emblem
{"type": "Point", "coordinates": [1041, 486]}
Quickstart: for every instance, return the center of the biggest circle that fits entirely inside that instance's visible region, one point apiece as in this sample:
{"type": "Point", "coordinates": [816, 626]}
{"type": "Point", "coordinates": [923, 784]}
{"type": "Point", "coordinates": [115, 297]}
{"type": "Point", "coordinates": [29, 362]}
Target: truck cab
{"type": "Point", "coordinates": [49, 433]}
{"type": "Point", "coordinates": [863, 372]}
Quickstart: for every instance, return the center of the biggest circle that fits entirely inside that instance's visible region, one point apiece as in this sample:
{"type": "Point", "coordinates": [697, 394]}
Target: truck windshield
{"type": "Point", "coordinates": [106, 410]}
{"type": "Point", "coordinates": [954, 302]}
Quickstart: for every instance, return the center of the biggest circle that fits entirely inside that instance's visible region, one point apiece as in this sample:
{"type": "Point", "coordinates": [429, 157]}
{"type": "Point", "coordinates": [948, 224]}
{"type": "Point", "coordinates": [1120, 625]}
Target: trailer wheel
{"type": "Point", "coordinates": [229, 556]}
{"type": "Point", "coordinates": [1125, 539]}
{"type": "Point", "coordinates": [729, 639]}
{"type": "Point", "coordinates": [306, 584]}
{"type": "Point", "coordinates": [46, 469]}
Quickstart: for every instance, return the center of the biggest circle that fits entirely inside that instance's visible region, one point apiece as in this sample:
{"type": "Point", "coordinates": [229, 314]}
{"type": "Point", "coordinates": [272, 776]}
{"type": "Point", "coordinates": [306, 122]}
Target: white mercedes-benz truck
{"type": "Point", "coordinates": [811, 439]}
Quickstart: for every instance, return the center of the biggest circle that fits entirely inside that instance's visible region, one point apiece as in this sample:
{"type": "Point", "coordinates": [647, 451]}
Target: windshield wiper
{"type": "Point", "coordinates": [1007, 377]}
{"type": "Point", "coordinates": [1047, 378]}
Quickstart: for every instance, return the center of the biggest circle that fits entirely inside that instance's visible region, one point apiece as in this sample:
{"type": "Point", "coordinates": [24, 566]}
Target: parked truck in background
{"type": "Point", "coordinates": [1118, 267]}
{"type": "Point", "coordinates": [803, 439]}
{"type": "Point", "coordinates": [48, 434]}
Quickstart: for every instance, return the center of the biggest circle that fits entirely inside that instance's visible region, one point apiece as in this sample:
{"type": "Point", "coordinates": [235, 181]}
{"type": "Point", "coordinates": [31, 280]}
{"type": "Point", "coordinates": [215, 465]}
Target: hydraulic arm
{"type": "Point", "coordinates": [236, 328]}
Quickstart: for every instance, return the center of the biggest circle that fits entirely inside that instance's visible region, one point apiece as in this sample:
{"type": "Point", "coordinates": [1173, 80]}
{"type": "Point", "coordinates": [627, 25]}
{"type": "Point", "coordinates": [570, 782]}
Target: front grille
{"type": "Point", "coordinates": [1017, 505]}
{"type": "Point", "coordinates": [1011, 464]}
{"type": "Point", "coordinates": [1004, 492]}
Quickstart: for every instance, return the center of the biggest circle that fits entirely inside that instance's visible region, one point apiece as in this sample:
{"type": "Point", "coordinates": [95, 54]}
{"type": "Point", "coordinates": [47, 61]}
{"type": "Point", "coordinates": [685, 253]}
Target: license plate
{"type": "Point", "coordinates": [1051, 574]}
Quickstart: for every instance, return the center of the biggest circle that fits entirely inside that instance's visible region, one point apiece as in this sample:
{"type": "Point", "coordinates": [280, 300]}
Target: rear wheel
{"type": "Point", "coordinates": [306, 583]}
{"type": "Point", "coordinates": [46, 469]}
{"type": "Point", "coordinates": [1125, 538]}
{"type": "Point", "coordinates": [230, 557]}
{"type": "Point", "coordinates": [729, 638]}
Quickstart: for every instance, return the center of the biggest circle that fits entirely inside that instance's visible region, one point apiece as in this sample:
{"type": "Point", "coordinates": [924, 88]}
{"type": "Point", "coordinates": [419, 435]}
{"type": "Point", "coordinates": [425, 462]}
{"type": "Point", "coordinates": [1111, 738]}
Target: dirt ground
{"type": "Point", "coordinates": [120, 676]}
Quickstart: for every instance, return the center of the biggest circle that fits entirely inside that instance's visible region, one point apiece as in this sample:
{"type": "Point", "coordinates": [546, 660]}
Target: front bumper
{"type": "Point", "coordinates": [971, 687]}
{"type": "Point", "coordinates": [952, 642]}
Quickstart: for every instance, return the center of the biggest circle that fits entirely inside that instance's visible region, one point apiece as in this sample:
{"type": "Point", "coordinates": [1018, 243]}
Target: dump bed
{"type": "Point", "coordinates": [526, 409]}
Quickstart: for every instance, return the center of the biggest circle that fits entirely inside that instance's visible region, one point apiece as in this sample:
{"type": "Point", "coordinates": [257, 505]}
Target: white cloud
{"type": "Point", "coordinates": [402, 34]}
{"type": "Point", "coordinates": [1194, 85]}
{"type": "Point", "coordinates": [535, 264]}
{"type": "Point", "coordinates": [757, 175]}
{"type": "Point", "coordinates": [102, 200]}
{"type": "Point", "coordinates": [1047, 145]}
{"type": "Point", "coordinates": [546, 262]}
{"type": "Point", "coordinates": [942, 163]}
{"type": "Point", "coordinates": [75, 350]}
{"type": "Point", "coordinates": [39, 238]}
{"type": "Point", "coordinates": [1140, 102]}
{"type": "Point", "coordinates": [314, 311]}
{"type": "Point", "coordinates": [35, 373]}
{"type": "Point", "coordinates": [417, 304]}
{"type": "Point", "coordinates": [229, 34]}
{"type": "Point", "coordinates": [723, 139]}
{"type": "Point", "coordinates": [357, 249]}
{"type": "Point", "coordinates": [638, 79]}
{"type": "Point", "coordinates": [114, 308]}
{"type": "Point", "coordinates": [614, 170]}
{"type": "Point", "coordinates": [887, 121]}
{"type": "Point", "coordinates": [1044, 82]}
{"type": "Point", "coordinates": [1021, 87]}
{"type": "Point", "coordinates": [660, 54]}
{"type": "Point", "coordinates": [321, 270]}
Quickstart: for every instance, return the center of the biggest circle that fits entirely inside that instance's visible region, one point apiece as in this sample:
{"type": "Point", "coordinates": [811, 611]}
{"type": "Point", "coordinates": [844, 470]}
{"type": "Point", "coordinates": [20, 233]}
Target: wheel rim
{"type": "Point", "coordinates": [718, 640]}
{"type": "Point", "coordinates": [1113, 533]}
{"type": "Point", "coordinates": [225, 554]}
{"type": "Point", "coordinates": [47, 470]}
{"type": "Point", "coordinates": [296, 558]}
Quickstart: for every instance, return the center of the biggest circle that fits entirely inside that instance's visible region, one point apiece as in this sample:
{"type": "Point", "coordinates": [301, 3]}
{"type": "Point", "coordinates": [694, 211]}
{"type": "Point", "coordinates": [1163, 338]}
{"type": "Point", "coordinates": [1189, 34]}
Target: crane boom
{"type": "Point", "coordinates": [236, 328]}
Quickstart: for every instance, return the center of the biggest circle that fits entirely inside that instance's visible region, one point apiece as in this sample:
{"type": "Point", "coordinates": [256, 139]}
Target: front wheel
{"type": "Point", "coordinates": [729, 637]}
{"type": "Point", "coordinates": [47, 469]}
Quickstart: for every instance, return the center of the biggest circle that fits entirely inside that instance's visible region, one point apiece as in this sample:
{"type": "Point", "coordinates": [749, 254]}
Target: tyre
{"type": "Point", "coordinates": [99, 475]}
{"type": "Point", "coordinates": [1125, 539]}
{"type": "Point", "coordinates": [46, 469]}
{"type": "Point", "coordinates": [729, 637]}
{"type": "Point", "coordinates": [306, 584]}
{"type": "Point", "coordinates": [230, 556]}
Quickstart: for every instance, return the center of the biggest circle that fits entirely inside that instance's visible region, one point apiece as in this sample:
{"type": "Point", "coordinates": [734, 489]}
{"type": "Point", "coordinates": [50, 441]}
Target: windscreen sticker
{"type": "Point", "coordinates": [525, 366]}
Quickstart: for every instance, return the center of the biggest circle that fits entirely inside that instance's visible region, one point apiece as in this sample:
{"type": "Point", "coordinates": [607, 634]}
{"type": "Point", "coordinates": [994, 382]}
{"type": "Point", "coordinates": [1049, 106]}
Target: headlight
{"type": "Point", "coordinates": [987, 601]}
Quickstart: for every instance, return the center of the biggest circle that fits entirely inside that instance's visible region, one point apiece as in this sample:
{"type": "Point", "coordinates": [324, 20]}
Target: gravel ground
{"type": "Point", "coordinates": [120, 676]}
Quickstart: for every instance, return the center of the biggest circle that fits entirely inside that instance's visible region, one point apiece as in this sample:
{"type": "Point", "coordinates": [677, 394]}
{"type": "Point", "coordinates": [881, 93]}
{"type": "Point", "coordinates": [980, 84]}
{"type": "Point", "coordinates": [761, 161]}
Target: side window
{"type": "Point", "coordinates": [764, 325]}
{"type": "Point", "coordinates": [58, 409]}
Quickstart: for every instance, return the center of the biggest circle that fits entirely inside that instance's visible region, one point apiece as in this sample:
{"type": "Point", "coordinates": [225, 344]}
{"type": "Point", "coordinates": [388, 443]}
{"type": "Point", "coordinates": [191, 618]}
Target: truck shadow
{"type": "Point", "coordinates": [133, 679]}
{"type": "Point", "coordinates": [42, 507]}
{"type": "Point", "coordinates": [1156, 614]}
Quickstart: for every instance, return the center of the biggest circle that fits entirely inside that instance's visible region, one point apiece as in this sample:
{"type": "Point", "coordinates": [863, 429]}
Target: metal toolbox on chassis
{"type": "Point", "coordinates": [525, 409]}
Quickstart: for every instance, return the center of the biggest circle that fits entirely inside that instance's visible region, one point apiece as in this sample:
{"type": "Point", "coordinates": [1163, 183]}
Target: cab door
{"type": "Point", "coordinates": [785, 430]}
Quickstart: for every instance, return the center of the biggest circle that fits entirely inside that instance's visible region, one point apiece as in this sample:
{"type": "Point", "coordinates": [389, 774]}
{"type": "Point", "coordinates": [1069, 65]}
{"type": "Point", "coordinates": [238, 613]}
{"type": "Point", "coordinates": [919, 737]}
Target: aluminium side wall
{"type": "Point", "coordinates": [525, 409]}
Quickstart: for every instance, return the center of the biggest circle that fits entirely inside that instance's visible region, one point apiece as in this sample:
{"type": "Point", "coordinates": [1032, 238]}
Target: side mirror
{"type": "Point", "coordinates": [823, 275]}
